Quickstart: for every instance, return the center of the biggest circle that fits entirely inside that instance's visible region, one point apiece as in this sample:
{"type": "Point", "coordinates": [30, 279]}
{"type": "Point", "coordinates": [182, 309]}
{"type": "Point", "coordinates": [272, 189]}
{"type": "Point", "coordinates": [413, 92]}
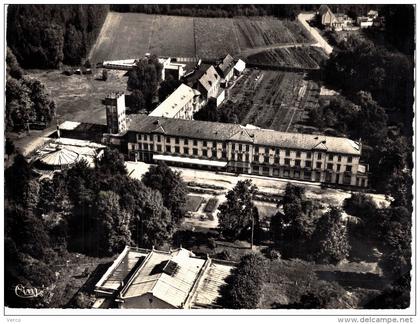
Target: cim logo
{"type": "Point", "coordinates": [23, 292]}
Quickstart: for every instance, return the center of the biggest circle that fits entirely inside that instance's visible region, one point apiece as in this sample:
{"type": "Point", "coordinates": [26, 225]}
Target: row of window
{"type": "Point", "coordinates": [246, 148]}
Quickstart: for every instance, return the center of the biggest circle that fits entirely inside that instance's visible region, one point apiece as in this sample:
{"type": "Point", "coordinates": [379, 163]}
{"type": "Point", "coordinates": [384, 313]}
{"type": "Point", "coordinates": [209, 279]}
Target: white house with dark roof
{"type": "Point", "coordinates": [147, 279]}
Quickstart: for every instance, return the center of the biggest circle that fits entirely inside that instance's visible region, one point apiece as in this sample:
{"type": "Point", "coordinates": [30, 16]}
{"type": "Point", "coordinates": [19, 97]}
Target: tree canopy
{"type": "Point", "coordinates": [330, 238]}
{"type": "Point", "coordinates": [170, 185]}
{"type": "Point", "coordinates": [244, 288]}
{"type": "Point", "coordinates": [238, 211]}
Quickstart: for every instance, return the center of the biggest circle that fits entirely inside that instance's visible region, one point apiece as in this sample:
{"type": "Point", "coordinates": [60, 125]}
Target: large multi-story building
{"type": "Point", "coordinates": [234, 148]}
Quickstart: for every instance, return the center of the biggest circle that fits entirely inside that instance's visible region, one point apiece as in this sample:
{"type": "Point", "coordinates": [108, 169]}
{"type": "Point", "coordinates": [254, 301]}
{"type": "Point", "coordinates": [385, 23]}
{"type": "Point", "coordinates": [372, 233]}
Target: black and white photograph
{"type": "Point", "coordinates": [208, 159]}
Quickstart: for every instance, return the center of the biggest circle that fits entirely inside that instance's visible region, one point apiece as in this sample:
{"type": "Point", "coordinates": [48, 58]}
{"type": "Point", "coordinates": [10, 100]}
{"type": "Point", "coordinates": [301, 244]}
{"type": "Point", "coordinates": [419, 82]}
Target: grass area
{"type": "Point", "coordinates": [193, 203]}
{"type": "Point", "coordinates": [221, 41]}
{"type": "Point", "coordinates": [74, 272]}
{"type": "Point", "coordinates": [172, 36]}
{"type": "Point", "coordinates": [79, 97]}
{"type": "Point", "coordinates": [211, 205]}
{"type": "Point", "coordinates": [268, 31]}
{"type": "Point", "coordinates": [130, 35]}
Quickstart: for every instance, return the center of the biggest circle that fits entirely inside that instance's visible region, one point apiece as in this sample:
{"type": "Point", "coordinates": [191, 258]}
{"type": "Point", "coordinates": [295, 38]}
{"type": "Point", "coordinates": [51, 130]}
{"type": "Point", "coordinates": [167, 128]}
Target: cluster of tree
{"type": "Point", "coordinates": [216, 10]}
{"type": "Point", "coordinates": [390, 230]}
{"type": "Point", "coordinates": [44, 36]}
{"type": "Point", "coordinates": [244, 286]}
{"type": "Point", "coordinates": [27, 102]}
{"type": "Point", "coordinates": [298, 231]}
{"type": "Point", "coordinates": [229, 112]}
{"type": "Point", "coordinates": [143, 81]}
{"type": "Point", "coordinates": [90, 210]}
{"type": "Point", "coordinates": [238, 214]}
{"type": "Point", "coordinates": [358, 65]}
{"type": "Point", "coordinates": [167, 87]}
{"type": "Point", "coordinates": [385, 149]}
{"type": "Point", "coordinates": [399, 26]}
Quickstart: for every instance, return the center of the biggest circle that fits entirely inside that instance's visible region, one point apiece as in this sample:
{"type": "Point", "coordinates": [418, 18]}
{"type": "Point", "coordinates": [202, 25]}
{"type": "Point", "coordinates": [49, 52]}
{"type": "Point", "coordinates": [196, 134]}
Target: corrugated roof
{"type": "Point", "coordinates": [208, 291]}
{"type": "Point", "coordinates": [121, 268]}
{"type": "Point", "coordinates": [174, 103]}
{"type": "Point", "coordinates": [224, 132]}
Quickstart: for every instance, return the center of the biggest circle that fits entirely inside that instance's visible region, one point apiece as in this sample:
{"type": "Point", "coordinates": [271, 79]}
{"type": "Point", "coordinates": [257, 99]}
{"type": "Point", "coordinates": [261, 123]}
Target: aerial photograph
{"type": "Point", "coordinates": [201, 158]}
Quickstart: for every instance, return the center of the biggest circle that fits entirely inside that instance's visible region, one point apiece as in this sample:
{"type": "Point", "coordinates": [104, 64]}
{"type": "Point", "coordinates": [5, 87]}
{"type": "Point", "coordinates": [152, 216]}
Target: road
{"type": "Point", "coordinates": [321, 42]}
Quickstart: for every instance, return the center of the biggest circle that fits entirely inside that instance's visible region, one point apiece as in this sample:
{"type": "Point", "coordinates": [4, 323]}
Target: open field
{"type": "Point", "coordinates": [262, 32]}
{"type": "Point", "coordinates": [172, 36]}
{"type": "Point", "coordinates": [123, 36]}
{"type": "Point", "coordinates": [274, 99]}
{"type": "Point", "coordinates": [130, 35]}
{"type": "Point", "coordinates": [79, 97]}
{"type": "Point", "coordinates": [223, 39]}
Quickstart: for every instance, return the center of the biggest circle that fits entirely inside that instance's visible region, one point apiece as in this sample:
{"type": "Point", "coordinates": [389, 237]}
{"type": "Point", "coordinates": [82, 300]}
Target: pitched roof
{"type": "Point", "coordinates": [209, 78]}
{"type": "Point", "coordinates": [226, 65]}
{"type": "Point", "coordinates": [240, 65]}
{"type": "Point", "coordinates": [323, 9]}
{"type": "Point", "coordinates": [174, 103]}
{"type": "Point", "coordinates": [234, 132]}
{"type": "Point", "coordinates": [169, 276]}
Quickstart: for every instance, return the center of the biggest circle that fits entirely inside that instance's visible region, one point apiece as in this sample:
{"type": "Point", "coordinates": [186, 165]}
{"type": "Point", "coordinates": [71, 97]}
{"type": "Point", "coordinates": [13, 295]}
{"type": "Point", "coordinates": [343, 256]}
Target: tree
{"type": "Point", "coordinates": [244, 289]}
{"type": "Point", "coordinates": [171, 186]}
{"type": "Point", "coordinates": [112, 224]}
{"type": "Point", "coordinates": [237, 213]}
{"type": "Point", "coordinates": [137, 102]}
{"type": "Point", "coordinates": [292, 229]}
{"type": "Point", "coordinates": [111, 163]}
{"type": "Point", "coordinates": [104, 75]}
{"type": "Point", "coordinates": [12, 66]}
{"type": "Point", "coordinates": [17, 178]}
{"type": "Point", "coordinates": [360, 205]}
{"type": "Point", "coordinates": [154, 226]}
{"type": "Point", "coordinates": [145, 76]}
{"type": "Point", "coordinates": [167, 87]}
{"type": "Point", "coordinates": [330, 238]}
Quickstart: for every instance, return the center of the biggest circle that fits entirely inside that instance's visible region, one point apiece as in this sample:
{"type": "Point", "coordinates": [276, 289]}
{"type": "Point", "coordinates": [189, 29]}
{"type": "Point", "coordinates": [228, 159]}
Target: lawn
{"type": "Point", "coordinates": [79, 97]}
{"type": "Point", "coordinates": [172, 36]}
{"type": "Point", "coordinates": [211, 205]}
{"type": "Point", "coordinates": [269, 31]}
{"type": "Point", "coordinates": [215, 37]}
{"type": "Point", "coordinates": [193, 203]}
{"type": "Point", "coordinates": [123, 36]}
{"type": "Point", "coordinates": [73, 273]}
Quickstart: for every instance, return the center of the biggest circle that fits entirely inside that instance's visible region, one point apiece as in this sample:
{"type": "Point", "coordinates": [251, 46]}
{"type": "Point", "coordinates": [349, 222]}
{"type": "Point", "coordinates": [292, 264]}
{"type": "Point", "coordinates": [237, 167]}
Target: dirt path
{"type": "Point", "coordinates": [303, 19]}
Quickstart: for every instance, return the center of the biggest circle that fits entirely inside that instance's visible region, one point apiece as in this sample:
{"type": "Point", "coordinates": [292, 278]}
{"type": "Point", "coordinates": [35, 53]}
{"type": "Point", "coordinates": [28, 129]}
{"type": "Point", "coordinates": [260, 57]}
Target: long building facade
{"type": "Point", "coordinates": [234, 148]}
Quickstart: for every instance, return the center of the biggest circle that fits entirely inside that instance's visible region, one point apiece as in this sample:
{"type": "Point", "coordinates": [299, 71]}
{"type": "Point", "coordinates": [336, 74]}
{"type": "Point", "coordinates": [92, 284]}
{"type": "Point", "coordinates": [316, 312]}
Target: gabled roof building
{"type": "Point", "coordinates": [182, 103]}
{"type": "Point", "coordinates": [141, 278]}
